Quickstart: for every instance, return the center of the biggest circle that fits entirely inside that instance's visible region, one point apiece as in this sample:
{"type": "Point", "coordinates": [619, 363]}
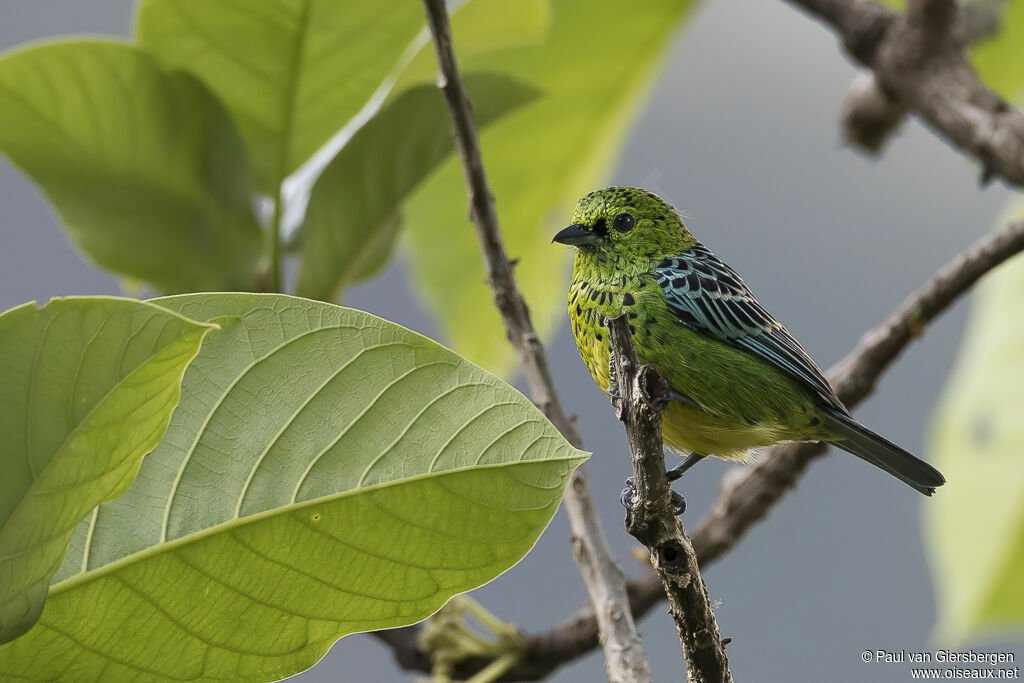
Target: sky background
{"type": "Point", "coordinates": [741, 132]}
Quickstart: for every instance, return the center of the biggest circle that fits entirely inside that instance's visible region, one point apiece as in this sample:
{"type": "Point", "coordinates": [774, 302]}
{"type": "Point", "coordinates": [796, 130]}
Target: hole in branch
{"type": "Point", "coordinates": [671, 557]}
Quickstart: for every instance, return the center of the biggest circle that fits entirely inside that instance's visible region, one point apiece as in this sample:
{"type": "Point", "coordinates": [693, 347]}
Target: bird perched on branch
{"type": "Point", "coordinates": [738, 379]}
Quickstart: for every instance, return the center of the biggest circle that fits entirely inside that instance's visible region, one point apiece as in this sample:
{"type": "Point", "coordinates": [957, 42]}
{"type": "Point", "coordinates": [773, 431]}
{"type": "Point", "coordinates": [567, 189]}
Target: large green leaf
{"type": "Point", "coordinates": [146, 169]}
{"type": "Point", "coordinates": [540, 160]}
{"type": "Point", "coordinates": [88, 389]}
{"type": "Point", "coordinates": [292, 72]}
{"type": "Point", "coordinates": [975, 529]}
{"type": "Point", "coordinates": [325, 472]}
{"type": "Point", "coordinates": [352, 218]}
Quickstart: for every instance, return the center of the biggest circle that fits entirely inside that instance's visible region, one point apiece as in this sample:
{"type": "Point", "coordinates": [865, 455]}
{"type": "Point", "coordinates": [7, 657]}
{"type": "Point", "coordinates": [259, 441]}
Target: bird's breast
{"type": "Point", "coordinates": [591, 302]}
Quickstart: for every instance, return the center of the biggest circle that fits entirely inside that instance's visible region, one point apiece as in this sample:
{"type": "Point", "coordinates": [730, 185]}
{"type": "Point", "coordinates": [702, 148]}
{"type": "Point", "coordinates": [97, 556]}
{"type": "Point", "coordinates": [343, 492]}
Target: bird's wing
{"type": "Point", "coordinates": [708, 296]}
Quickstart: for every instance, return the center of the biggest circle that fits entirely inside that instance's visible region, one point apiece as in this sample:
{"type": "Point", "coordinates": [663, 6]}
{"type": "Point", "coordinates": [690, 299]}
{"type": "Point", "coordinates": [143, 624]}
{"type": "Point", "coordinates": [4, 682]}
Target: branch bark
{"type": "Point", "coordinates": [625, 659]}
{"type": "Point", "coordinates": [652, 519]}
{"type": "Point", "coordinates": [748, 494]}
{"type": "Point", "coordinates": [918, 63]}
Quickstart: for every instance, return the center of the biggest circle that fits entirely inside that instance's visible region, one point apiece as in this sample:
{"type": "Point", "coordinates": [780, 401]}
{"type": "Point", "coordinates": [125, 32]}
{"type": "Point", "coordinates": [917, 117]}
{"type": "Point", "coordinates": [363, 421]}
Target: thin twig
{"type": "Point", "coordinates": [652, 519]}
{"type": "Point", "coordinates": [918, 63]}
{"type": "Point", "coordinates": [748, 494]}
{"type": "Point", "coordinates": [625, 659]}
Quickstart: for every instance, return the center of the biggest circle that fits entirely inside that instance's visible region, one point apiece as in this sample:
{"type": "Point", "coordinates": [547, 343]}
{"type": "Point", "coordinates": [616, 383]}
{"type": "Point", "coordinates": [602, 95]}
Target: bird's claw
{"type": "Point", "coordinates": [678, 503]}
{"type": "Point", "coordinates": [626, 497]}
{"type": "Point", "coordinates": [629, 490]}
{"type": "Point", "coordinates": [614, 394]}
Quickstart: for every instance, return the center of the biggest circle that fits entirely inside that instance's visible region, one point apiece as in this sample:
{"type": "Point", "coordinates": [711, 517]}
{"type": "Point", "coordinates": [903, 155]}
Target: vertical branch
{"type": "Point", "coordinates": [625, 659]}
{"type": "Point", "coordinates": [651, 517]}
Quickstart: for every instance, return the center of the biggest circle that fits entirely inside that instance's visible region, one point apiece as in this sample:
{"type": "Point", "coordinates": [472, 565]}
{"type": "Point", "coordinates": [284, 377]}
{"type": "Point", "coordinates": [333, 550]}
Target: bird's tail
{"type": "Point", "coordinates": [855, 438]}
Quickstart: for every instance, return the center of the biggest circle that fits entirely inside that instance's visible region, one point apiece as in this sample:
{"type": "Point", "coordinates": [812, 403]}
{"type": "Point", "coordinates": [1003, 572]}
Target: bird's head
{"type": "Point", "coordinates": [626, 225]}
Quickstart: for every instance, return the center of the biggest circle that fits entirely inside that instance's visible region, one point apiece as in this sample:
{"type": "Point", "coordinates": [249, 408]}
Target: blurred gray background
{"type": "Point", "coordinates": [741, 133]}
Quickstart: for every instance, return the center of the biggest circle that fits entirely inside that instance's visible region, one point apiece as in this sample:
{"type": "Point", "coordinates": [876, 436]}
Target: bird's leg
{"type": "Point", "coordinates": [683, 398]}
{"type": "Point", "coordinates": [680, 469]}
{"type": "Point", "coordinates": [678, 502]}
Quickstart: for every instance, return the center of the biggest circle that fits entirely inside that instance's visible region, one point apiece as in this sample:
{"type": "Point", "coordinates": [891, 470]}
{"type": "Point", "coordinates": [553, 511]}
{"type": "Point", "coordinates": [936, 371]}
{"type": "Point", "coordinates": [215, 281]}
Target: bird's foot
{"type": "Point", "coordinates": [626, 497]}
{"type": "Point", "coordinates": [629, 490]}
{"type": "Point", "coordinates": [614, 394]}
{"type": "Point", "coordinates": [678, 503]}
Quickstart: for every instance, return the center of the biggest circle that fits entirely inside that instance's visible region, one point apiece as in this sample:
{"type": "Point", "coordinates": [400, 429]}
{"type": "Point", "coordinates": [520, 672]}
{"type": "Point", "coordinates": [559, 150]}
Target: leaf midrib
{"type": "Point", "coordinates": [223, 397]}
{"type": "Point", "coordinates": [291, 93]}
{"type": "Point", "coordinates": [239, 522]}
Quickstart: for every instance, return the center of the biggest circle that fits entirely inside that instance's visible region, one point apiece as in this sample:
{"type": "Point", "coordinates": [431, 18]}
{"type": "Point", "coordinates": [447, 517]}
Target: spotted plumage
{"type": "Point", "coordinates": [742, 379]}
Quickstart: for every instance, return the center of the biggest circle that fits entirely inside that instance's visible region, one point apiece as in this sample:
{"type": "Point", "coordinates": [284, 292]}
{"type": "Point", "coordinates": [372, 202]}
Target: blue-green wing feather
{"type": "Point", "coordinates": [707, 295]}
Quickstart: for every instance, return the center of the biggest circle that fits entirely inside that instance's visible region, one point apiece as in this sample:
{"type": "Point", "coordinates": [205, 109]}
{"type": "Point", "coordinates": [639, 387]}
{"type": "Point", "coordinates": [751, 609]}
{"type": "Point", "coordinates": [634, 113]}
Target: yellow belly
{"type": "Point", "coordinates": [690, 430]}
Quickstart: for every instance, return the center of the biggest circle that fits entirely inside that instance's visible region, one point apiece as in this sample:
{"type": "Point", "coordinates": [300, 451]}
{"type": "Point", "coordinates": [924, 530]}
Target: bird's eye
{"type": "Point", "coordinates": [623, 222]}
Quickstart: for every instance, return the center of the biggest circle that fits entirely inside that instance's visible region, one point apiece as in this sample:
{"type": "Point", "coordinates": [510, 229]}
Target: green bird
{"type": "Point", "coordinates": [738, 379]}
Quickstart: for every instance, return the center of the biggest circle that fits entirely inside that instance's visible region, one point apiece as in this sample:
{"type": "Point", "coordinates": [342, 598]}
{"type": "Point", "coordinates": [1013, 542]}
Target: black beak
{"type": "Point", "coordinates": [577, 235]}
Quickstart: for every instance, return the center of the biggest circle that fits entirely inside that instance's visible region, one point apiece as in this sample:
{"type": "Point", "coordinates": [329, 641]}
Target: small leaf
{"type": "Point", "coordinates": [540, 160]}
{"type": "Point", "coordinates": [145, 169]}
{"type": "Point", "coordinates": [325, 472]}
{"type": "Point", "coordinates": [88, 389]}
{"type": "Point", "coordinates": [352, 219]}
{"type": "Point", "coordinates": [975, 525]}
{"type": "Point", "coordinates": [291, 72]}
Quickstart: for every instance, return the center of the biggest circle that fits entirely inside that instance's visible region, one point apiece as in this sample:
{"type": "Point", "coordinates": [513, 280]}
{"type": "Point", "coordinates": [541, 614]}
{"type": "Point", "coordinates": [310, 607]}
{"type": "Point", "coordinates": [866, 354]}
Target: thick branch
{"type": "Point", "coordinates": [936, 17]}
{"type": "Point", "coordinates": [918, 63]}
{"type": "Point", "coordinates": [748, 494]}
{"type": "Point", "coordinates": [652, 519]}
{"type": "Point", "coordinates": [625, 659]}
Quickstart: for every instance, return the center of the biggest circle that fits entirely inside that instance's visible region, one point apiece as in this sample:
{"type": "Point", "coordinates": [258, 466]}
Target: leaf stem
{"type": "Point", "coordinates": [275, 244]}
{"type": "Point", "coordinates": [492, 622]}
{"type": "Point", "coordinates": [493, 671]}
